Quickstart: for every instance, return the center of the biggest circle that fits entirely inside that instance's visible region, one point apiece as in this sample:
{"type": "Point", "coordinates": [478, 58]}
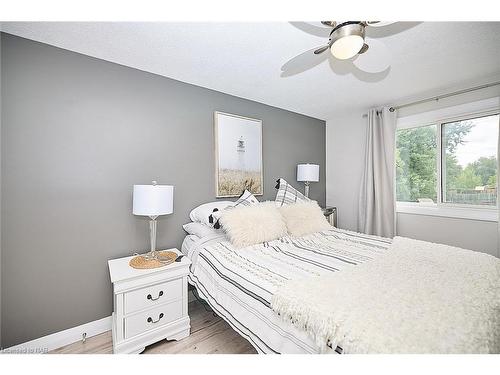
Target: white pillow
{"type": "Point", "coordinates": [201, 213]}
{"type": "Point", "coordinates": [250, 225]}
{"type": "Point", "coordinates": [245, 199]}
{"type": "Point", "coordinates": [304, 218]}
{"type": "Point", "coordinates": [199, 229]}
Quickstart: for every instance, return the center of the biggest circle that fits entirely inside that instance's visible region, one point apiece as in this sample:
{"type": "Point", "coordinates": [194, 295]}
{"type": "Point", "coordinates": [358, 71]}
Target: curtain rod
{"type": "Point", "coordinates": [436, 98]}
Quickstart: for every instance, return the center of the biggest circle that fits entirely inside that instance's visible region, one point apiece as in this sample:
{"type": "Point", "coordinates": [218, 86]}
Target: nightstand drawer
{"type": "Point", "coordinates": [152, 295]}
{"type": "Point", "coordinates": [153, 318]}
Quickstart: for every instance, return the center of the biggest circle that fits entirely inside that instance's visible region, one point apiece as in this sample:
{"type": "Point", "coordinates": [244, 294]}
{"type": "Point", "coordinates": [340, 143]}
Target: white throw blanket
{"type": "Point", "coordinates": [419, 297]}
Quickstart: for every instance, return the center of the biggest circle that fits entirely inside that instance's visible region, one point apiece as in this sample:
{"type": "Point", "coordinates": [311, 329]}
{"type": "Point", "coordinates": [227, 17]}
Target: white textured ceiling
{"type": "Point", "coordinates": [245, 59]}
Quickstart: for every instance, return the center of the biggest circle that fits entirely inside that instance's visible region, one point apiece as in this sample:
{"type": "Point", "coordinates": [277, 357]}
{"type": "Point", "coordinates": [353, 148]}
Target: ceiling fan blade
{"type": "Point", "coordinates": [300, 63]}
{"type": "Point", "coordinates": [376, 60]}
{"type": "Point", "coordinates": [321, 49]}
{"type": "Point", "coordinates": [379, 23]}
{"type": "Point", "coordinates": [313, 29]}
{"type": "Point", "coordinates": [389, 29]}
{"type": "Point", "coordinates": [363, 49]}
{"type": "Point", "coordinates": [329, 23]}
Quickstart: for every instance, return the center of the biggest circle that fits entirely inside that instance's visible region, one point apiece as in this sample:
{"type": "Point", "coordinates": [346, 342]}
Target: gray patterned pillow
{"type": "Point", "coordinates": [245, 199]}
{"type": "Point", "coordinates": [287, 194]}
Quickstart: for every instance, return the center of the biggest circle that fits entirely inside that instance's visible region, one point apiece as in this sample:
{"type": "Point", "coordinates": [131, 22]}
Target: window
{"type": "Point", "coordinates": [416, 168]}
{"type": "Point", "coordinates": [448, 163]}
{"type": "Point", "coordinates": [469, 166]}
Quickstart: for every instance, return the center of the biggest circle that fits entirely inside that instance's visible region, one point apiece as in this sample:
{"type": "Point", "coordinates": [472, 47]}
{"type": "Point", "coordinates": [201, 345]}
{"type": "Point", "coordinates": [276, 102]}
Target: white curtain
{"type": "Point", "coordinates": [377, 203]}
{"type": "Point", "coordinates": [498, 186]}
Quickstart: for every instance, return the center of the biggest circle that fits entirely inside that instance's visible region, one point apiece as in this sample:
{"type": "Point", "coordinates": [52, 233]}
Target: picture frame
{"type": "Point", "coordinates": [238, 155]}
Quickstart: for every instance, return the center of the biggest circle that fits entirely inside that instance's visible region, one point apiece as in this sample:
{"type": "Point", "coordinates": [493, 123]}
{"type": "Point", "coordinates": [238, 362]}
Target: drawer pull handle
{"type": "Point", "coordinates": [157, 298]}
{"type": "Point", "coordinates": [150, 320]}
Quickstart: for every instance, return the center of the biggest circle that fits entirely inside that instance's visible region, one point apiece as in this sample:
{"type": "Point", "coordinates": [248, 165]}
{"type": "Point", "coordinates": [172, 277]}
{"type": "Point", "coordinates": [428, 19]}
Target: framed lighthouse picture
{"type": "Point", "coordinates": [238, 155]}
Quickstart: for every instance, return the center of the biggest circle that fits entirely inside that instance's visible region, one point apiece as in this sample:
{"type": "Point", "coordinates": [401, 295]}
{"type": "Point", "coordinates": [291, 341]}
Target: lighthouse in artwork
{"type": "Point", "coordinates": [240, 150]}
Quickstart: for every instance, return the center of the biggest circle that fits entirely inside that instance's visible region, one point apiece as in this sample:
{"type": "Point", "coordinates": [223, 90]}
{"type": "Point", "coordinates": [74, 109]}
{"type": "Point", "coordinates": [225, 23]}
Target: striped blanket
{"type": "Point", "coordinates": [239, 283]}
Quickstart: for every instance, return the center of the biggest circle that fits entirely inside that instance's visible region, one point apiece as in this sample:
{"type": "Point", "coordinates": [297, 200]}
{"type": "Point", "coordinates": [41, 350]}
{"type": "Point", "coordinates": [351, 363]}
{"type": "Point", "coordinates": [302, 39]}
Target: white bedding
{"type": "Point", "coordinates": [239, 284]}
{"type": "Point", "coordinates": [188, 243]}
{"type": "Point", "coordinates": [418, 297]}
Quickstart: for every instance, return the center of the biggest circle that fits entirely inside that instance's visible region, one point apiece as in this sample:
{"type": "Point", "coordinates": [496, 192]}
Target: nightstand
{"type": "Point", "coordinates": [149, 305]}
{"type": "Point", "coordinates": [331, 215]}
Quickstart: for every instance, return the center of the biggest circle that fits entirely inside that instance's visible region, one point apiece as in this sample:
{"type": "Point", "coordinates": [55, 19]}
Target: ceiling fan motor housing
{"type": "Point", "coordinates": [347, 30]}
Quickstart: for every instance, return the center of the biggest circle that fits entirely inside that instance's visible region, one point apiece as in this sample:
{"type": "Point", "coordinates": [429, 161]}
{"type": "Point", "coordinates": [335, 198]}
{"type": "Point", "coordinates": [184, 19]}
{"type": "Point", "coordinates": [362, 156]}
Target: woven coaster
{"type": "Point", "coordinates": [164, 258]}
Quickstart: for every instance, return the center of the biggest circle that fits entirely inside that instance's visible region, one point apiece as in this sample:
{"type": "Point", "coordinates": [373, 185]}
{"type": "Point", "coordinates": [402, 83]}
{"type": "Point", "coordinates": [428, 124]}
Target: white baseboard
{"type": "Point", "coordinates": [59, 339]}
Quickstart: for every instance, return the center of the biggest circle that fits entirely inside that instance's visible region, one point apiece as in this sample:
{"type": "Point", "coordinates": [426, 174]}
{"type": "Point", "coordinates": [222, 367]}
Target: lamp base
{"type": "Point", "coordinates": [306, 190]}
{"type": "Point", "coordinates": [152, 255]}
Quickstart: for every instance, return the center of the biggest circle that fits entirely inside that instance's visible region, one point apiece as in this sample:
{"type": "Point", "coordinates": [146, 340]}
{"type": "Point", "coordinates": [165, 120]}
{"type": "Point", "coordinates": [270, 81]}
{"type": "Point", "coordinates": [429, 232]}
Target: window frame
{"type": "Point", "coordinates": [439, 119]}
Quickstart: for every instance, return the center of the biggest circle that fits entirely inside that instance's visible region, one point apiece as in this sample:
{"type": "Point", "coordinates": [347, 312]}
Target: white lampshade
{"type": "Point", "coordinates": [153, 200]}
{"type": "Point", "coordinates": [308, 172]}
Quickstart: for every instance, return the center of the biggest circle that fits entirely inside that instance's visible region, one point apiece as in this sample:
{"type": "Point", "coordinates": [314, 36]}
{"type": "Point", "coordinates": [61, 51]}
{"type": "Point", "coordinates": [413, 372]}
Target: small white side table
{"type": "Point", "coordinates": [149, 305]}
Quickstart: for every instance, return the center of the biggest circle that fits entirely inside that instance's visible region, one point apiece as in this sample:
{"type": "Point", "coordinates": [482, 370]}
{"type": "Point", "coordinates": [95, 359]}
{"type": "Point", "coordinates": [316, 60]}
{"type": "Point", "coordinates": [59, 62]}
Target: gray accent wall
{"type": "Point", "coordinates": [0, 193]}
{"type": "Point", "coordinates": [77, 133]}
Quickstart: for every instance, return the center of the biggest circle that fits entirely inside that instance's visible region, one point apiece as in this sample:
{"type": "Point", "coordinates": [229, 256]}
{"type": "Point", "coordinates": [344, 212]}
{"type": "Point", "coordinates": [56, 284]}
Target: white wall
{"type": "Point", "coordinates": [469, 234]}
{"type": "Point", "coordinates": [345, 139]}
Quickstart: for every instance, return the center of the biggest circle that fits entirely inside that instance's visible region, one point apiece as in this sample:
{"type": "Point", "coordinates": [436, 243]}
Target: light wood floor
{"type": "Point", "coordinates": [209, 335]}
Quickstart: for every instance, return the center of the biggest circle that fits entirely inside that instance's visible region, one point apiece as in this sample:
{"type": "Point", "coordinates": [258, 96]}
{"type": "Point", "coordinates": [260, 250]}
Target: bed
{"type": "Point", "coordinates": [289, 282]}
{"type": "Point", "coordinates": [239, 284]}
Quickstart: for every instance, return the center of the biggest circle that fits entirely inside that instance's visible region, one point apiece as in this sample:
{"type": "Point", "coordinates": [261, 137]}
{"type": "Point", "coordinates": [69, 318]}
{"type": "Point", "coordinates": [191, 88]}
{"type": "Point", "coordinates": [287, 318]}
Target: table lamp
{"type": "Point", "coordinates": [307, 173]}
{"type": "Point", "coordinates": [153, 200]}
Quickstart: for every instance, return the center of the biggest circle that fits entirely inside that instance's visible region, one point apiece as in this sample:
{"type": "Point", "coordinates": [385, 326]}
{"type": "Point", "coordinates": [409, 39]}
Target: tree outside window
{"type": "Point", "coordinates": [468, 157]}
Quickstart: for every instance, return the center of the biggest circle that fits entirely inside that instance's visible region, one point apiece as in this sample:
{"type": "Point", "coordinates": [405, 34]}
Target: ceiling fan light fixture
{"type": "Point", "coordinates": [347, 40]}
{"type": "Point", "coordinates": [347, 47]}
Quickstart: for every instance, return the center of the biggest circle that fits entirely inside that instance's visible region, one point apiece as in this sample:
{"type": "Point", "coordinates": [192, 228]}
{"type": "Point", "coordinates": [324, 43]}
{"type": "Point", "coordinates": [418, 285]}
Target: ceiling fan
{"type": "Point", "coordinates": [347, 39]}
{"type": "Point", "coordinates": [355, 48]}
